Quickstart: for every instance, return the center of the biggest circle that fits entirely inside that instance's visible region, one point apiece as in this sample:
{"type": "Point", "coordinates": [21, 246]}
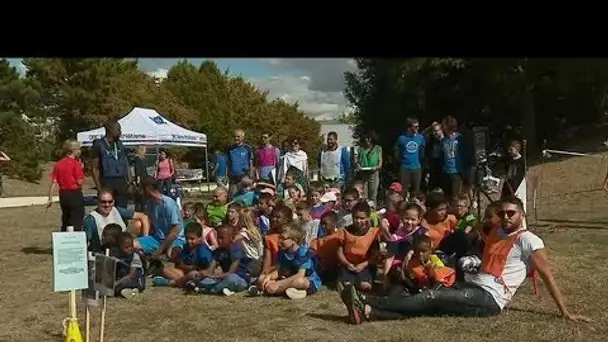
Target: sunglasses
{"type": "Point", "coordinates": [106, 202]}
{"type": "Point", "coordinates": [509, 213]}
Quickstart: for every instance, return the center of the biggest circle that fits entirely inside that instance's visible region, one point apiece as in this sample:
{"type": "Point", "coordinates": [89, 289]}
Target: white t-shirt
{"type": "Point", "coordinates": [515, 272]}
{"type": "Point", "coordinates": [330, 163]}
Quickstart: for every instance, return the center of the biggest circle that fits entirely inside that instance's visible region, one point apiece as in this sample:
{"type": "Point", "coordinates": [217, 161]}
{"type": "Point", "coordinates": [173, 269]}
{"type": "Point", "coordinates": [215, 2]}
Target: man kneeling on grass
{"type": "Point", "coordinates": [295, 275]}
{"type": "Point", "coordinates": [510, 254]}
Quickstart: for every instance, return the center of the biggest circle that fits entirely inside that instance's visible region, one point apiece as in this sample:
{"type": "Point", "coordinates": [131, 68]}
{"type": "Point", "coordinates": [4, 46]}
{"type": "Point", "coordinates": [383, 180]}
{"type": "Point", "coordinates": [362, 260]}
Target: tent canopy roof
{"type": "Point", "coordinates": [144, 126]}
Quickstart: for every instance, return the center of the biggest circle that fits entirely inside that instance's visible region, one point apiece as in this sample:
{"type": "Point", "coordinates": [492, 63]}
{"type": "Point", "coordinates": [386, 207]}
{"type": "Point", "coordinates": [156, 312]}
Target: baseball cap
{"type": "Point", "coordinates": [396, 187]}
{"type": "Point", "coordinates": [267, 191]}
{"type": "Point", "coordinates": [329, 197]}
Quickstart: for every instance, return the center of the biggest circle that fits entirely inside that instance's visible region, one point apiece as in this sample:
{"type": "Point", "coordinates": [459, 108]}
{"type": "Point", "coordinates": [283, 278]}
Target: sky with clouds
{"type": "Point", "coordinates": [316, 83]}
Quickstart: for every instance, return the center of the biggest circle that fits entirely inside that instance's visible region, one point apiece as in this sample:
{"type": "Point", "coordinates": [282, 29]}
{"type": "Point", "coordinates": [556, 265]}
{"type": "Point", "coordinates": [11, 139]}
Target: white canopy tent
{"type": "Point", "coordinates": [144, 126]}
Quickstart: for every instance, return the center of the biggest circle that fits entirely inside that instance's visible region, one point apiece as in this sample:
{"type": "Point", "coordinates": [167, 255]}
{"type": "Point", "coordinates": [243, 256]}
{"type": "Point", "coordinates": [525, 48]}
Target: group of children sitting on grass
{"type": "Point", "coordinates": [291, 243]}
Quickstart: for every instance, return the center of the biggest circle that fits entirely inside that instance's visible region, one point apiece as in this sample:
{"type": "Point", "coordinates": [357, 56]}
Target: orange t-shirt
{"type": "Point", "coordinates": [438, 231]}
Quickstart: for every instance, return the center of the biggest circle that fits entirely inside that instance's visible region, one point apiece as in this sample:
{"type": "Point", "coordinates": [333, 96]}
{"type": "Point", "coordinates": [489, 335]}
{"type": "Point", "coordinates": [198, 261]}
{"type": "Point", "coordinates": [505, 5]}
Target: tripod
{"type": "Point", "coordinates": [482, 170]}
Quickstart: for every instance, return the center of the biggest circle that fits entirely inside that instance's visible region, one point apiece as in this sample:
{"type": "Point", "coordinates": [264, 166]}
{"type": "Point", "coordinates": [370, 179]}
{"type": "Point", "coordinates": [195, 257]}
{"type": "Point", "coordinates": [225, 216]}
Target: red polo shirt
{"type": "Point", "coordinates": [67, 172]}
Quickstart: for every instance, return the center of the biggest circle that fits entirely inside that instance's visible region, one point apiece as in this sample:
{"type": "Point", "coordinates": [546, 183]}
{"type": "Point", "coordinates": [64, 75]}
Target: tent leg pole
{"type": "Point", "coordinates": [207, 170]}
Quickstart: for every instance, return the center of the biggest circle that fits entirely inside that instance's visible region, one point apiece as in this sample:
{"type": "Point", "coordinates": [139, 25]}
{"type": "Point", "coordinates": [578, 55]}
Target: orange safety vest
{"type": "Point", "coordinates": [444, 275]}
{"type": "Point", "coordinates": [438, 231]}
{"type": "Point", "coordinates": [272, 243]}
{"type": "Point", "coordinates": [495, 253]}
{"type": "Point", "coordinates": [326, 249]}
{"type": "Point", "coordinates": [356, 247]}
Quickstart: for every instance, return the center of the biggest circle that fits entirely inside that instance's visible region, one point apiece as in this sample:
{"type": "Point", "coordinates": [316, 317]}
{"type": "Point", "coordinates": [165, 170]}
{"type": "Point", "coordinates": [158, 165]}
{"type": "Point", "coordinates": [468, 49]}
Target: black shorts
{"type": "Point", "coordinates": [348, 276]}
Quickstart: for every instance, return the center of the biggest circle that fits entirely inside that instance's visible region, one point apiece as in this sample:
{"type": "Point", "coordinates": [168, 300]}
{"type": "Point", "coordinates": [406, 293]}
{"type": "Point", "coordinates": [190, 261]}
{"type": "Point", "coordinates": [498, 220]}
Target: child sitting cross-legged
{"type": "Point", "coordinates": [130, 274]}
{"type": "Point", "coordinates": [194, 257]}
{"type": "Point", "coordinates": [359, 250]}
{"type": "Point", "coordinates": [250, 239]}
{"type": "Point", "coordinates": [231, 258]}
{"type": "Point", "coordinates": [295, 274]}
{"type": "Point", "coordinates": [426, 269]}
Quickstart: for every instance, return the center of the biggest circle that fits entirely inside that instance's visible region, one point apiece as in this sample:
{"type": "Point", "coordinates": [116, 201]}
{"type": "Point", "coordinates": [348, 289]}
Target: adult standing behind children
{"type": "Point", "coordinates": [110, 164]}
{"type": "Point", "coordinates": [516, 170]}
{"type": "Point", "coordinates": [267, 159]}
{"type": "Point", "coordinates": [334, 161]}
{"type": "Point", "coordinates": [454, 156]}
{"type": "Point", "coordinates": [141, 172]}
{"type": "Point", "coordinates": [165, 172]}
{"type": "Point", "coordinates": [68, 176]}
{"type": "Point", "coordinates": [240, 161]}
{"type": "Point", "coordinates": [369, 164]}
{"type": "Point", "coordinates": [408, 151]}
{"type": "Point", "coordinates": [220, 171]}
{"type": "Point", "coordinates": [295, 162]}
{"type": "Point", "coordinates": [166, 220]}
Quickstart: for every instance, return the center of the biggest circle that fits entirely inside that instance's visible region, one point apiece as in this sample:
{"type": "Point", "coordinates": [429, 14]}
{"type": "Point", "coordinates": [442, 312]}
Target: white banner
{"type": "Point", "coordinates": [521, 193]}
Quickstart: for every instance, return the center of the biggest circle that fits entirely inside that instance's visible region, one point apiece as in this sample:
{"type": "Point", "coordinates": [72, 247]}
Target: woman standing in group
{"type": "Point", "coordinates": [369, 163]}
{"type": "Point", "coordinates": [165, 172]}
{"type": "Point", "coordinates": [139, 163]}
{"type": "Point", "coordinates": [68, 175]}
{"type": "Point", "coordinates": [297, 161]}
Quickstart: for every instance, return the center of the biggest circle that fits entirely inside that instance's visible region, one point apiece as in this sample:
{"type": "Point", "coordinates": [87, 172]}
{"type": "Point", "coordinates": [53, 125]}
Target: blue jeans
{"type": "Point", "coordinates": [165, 185]}
{"type": "Point", "coordinates": [232, 282]}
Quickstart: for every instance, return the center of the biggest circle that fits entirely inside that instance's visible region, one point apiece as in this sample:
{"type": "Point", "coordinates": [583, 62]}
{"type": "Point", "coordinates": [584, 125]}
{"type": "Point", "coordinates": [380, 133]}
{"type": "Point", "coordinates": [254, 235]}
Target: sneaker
{"type": "Point", "coordinates": [160, 281]}
{"type": "Point", "coordinates": [129, 293]}
{"type": "Point", "coordinates": [226, 291]}
{"type": "Point", "coordinates": [254, 291]}
{"type": "Point", "coordinates": [354, 305]}
{"type": "Point", "coordinates": [293, 293]}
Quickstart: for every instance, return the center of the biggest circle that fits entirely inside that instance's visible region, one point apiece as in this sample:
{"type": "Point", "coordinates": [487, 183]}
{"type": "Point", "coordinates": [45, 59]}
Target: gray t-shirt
{"type": "Point", "coordinates": [136, 262]}
{"type": "Point", "coordinates": [311, 230]}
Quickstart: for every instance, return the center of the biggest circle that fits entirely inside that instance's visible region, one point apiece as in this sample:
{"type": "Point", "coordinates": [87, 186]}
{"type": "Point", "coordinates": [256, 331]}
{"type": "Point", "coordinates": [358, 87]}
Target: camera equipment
{"type": "Point", "coordinates": [484, 182]}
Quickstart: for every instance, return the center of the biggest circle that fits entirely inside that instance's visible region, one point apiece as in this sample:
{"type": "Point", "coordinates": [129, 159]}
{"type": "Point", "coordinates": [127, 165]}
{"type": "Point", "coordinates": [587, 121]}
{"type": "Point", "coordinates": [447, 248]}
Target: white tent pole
{"type": "Point", "coordinates": [207, 169]}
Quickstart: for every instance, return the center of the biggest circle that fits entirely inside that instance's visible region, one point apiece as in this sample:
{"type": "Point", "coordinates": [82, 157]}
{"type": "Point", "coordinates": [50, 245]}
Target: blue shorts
{"type": "Point", "coordinates": [149, 244]}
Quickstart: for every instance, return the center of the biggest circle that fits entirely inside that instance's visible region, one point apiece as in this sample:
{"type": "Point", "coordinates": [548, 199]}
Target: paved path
{"type": "Point", "coordinates": [26, 201]}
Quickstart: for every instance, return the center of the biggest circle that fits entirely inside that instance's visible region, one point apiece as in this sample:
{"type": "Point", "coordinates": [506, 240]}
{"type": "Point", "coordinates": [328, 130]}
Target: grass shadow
{"type": "Point", "coordinates": [536, 312]}
{"type": "Point", "coordinates": [37, 251]}
{"type": "Point", "coordinates": [325, 317]}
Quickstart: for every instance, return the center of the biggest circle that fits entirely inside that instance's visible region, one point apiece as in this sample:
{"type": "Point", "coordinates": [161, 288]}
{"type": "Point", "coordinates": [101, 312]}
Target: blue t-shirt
{"type": "Point", "coordinates": [264, 224]}
{"type": "Point", "coordinates": [239, 157]}
{"type": "Point", "coordinates": [221, 165]}
{"type": "Point", "coordinates": [409, 147]}
{"type": "Point", "coordinates": [452, 147]}
{"type": "Point", "coordinates": [248, 198]}
{"type": "Point", "coordinates": [199, 257]}
{"type": "Point", "coordinates": [291, 262]}
{"type": "Point", "coordinates": [163, 215]}
{"type": "Point", "coordinates": [225, 258]}
{"type": "Point", "coordinates": [90, 227]}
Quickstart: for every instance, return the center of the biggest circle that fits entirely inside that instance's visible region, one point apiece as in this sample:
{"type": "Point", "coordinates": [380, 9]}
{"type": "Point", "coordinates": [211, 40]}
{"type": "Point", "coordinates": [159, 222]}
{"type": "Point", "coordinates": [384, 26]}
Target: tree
{"type": "Point", "coordinates": [540, 95]}
{"type": "Point", "coordinates": [224, 103]}
{"type": "Point", "coordinates": [81, 94]}
{"type": "Point", "coordinates": [18, 137]}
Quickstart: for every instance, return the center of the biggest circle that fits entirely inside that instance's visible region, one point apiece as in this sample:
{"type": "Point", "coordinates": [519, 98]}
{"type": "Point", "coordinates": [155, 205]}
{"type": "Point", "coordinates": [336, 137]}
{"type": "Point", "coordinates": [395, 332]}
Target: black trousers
{"type": "Point", "coordinates": [119, 188]}
{"type": "Point", "coordinates": [72, 209]}
{"type": "Point", "coordinates": [462, 300]}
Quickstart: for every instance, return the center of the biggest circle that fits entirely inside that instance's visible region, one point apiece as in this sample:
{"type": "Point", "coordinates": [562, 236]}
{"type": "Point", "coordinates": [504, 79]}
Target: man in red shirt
{"type": "Point", "coordinates": [68, 175]}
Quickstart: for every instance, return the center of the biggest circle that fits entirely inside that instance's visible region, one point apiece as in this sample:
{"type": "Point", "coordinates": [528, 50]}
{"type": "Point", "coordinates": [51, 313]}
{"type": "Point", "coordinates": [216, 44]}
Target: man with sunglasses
{"type": "Point", "coordinates": [107, 213]}
{"type": "Point", "coordinates": [510, 254]}
{"type": "Point", "coordinates": [408, 151]}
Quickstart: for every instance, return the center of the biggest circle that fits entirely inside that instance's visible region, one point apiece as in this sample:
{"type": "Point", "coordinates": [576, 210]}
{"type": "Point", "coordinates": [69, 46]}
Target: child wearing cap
{"type": "Point", "coordinates": [395, 187]}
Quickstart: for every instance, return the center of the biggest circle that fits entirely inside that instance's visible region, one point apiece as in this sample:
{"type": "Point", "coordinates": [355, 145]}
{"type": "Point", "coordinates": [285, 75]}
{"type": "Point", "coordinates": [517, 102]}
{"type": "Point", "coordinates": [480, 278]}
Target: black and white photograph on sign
{"type": "Point", "coordinates": [105, 275]}
{"type": "Point", "coordinates": [90, 296]}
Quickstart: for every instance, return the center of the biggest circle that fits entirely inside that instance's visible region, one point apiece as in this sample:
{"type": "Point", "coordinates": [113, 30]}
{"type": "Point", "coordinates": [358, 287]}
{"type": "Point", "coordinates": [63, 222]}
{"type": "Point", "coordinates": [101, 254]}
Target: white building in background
{"type": "Point", "coordinates": [345, 132]}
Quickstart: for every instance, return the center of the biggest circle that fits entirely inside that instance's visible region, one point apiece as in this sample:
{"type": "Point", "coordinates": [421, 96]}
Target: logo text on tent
{"type": "Point", "coordinates": [183, 137]}
{"type": "Point", "coordinates": [158, 120]}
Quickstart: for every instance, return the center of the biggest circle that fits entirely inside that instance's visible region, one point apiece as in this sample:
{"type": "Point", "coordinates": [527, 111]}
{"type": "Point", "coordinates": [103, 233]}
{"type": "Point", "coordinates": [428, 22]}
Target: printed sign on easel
{"type": "Point", "coordinates": [70, 271]}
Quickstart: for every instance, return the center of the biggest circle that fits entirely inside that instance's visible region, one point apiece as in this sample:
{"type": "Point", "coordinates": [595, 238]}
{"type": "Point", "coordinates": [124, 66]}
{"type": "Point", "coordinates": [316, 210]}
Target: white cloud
{"type": "Point", "coordinates": [318, 87]}
{"type": "Point", "coordinates": [318, 104]}
{"type": "Point", "coordinates": [159, 73]}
